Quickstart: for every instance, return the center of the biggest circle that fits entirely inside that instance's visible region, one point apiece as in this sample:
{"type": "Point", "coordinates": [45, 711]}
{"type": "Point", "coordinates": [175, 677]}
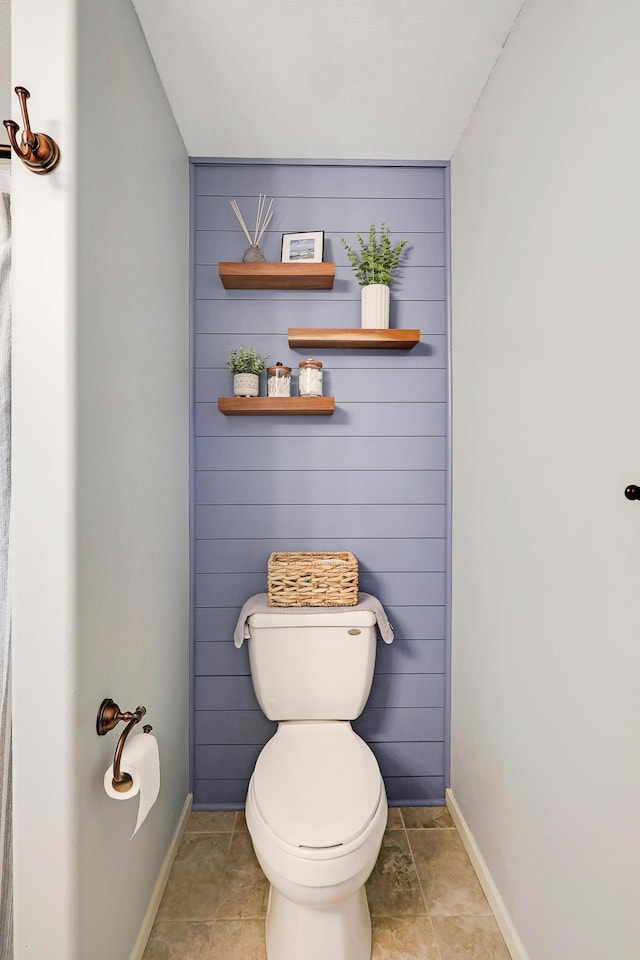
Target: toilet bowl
{"type": "Point", "coordinates": [316, 806]}
{"type": "Point", "coordinates": [316, 810]}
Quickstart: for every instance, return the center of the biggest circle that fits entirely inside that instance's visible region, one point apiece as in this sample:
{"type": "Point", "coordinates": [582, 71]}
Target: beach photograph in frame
{"type": "Point", "coordinates": [302, 247]}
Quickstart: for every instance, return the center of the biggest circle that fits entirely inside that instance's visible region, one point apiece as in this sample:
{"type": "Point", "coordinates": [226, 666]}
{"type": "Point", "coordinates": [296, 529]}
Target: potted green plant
{"type": "Point", "coordinates": [246, 365]}
{"type": "Point", "coordinates": [374, 267]}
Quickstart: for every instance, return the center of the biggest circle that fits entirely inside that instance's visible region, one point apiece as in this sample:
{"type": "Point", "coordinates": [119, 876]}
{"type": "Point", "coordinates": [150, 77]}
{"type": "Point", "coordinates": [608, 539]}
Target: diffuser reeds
{"type": "Point", "coordinates": [262, 219]}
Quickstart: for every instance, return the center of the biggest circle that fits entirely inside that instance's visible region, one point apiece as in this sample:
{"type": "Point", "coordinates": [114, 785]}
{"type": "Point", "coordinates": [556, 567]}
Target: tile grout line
{"type": "Point", "coordinates": [424, 899]}
{"type": "Point", "coordinates": [209, 953]}
{"type": "Point", "coordinates": [216, 918]}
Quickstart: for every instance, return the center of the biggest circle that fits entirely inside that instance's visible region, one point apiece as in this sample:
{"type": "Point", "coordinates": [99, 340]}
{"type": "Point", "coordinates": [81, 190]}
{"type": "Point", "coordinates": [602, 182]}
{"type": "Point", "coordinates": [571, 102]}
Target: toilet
{"type": "Point", "coordinates": [316, 806]}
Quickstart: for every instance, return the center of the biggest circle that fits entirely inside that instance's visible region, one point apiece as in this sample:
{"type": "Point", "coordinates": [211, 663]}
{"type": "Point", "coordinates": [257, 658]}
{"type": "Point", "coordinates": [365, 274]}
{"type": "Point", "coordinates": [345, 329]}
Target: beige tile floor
{"type": "Point", "coordinates": [424, 897]}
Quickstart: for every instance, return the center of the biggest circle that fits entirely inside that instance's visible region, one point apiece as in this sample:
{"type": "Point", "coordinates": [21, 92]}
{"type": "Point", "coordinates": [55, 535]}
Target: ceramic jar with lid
{"type": "Point", "coordinates": [310, 378]}
{"type": "Point", "coordinates": [279, 381]}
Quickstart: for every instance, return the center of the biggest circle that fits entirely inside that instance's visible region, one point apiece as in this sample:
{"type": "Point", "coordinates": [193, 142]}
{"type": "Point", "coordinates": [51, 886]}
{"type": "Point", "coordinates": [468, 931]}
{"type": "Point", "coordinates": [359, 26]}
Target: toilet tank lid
{"type": "Point", "coordinates": [355, 618]}
{"type": "Point", "coordinates": [317, 784]}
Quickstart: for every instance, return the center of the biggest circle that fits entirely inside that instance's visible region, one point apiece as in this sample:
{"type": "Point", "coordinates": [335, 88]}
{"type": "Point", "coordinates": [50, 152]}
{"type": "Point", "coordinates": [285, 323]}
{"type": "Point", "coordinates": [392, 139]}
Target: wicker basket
{"type": "Point", "coordinates": [312, 580]}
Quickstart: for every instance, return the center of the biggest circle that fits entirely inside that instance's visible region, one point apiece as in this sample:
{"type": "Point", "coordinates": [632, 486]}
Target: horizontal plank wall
{"type": "Point", "coordinates": [372, 478]}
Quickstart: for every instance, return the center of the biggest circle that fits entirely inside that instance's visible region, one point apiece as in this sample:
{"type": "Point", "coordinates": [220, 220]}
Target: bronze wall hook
{"type": "Point", "coordinates": [109, 716]}
{"type": "Point", "coordinates": [38, 152]}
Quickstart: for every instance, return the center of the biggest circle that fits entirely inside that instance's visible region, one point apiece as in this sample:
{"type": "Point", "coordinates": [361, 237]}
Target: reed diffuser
{"type": "Point", "coordinates": [253, 253]}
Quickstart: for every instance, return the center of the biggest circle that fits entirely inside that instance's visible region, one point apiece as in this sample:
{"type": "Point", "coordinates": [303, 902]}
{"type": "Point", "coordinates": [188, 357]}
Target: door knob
{"type": "Point", "coordinates": [632, 492]}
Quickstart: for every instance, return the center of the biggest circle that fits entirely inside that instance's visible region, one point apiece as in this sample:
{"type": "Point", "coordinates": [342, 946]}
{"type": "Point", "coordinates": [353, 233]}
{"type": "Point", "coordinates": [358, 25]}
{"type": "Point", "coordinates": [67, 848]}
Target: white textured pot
{"type": "Point", "coordinates": [374, 303]}
{"type": "Point", "coordinates": [246, 384]}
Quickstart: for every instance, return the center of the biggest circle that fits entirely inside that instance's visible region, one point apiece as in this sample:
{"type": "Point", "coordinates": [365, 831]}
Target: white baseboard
{"type": "Point", "coordinates": [505, 924]}
{"type": "Point", "coordinates": [161, 882]}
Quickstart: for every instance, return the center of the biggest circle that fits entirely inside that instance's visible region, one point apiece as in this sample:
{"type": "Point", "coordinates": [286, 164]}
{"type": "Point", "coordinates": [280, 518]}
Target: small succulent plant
{"type": "Point", "coordinates": [246, 360]}
{"type": "Point", "coordinates": [376, 262]}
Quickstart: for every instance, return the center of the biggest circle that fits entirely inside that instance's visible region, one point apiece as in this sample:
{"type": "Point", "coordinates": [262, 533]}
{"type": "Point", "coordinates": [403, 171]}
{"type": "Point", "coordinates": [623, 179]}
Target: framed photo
{"type": "Point", "coordinates": [302, 247]}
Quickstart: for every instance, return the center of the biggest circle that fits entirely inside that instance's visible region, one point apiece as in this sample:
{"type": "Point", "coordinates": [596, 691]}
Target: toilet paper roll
{"type": "Point", "coordinates": [141, 760]}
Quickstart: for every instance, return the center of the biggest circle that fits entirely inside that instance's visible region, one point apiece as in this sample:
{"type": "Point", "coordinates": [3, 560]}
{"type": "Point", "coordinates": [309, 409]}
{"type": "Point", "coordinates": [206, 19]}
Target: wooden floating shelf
{"type": "Point", "coordinates": [370, 339]}
{"type": "Point", "coordinates": [277, 276]}
{"type": "Point", "coordinates": [276, 406]}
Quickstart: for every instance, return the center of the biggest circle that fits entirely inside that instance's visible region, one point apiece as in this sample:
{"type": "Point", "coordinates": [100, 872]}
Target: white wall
{"type": "Point", "coordinates": [5, 64]}
{"type": "Point", "coordinates": [45, 716]}
{"type": "Point", "coordinates": [546, 550]}
{"type": "Point", "coordinates": [100, 473]}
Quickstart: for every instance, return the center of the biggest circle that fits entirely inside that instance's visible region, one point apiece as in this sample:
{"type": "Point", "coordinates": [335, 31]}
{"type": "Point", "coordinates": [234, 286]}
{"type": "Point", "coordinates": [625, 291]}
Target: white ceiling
{"type": "Point", "coordinates": [352, 79]}
{"type": "Point", "coordinates": [317, 78]}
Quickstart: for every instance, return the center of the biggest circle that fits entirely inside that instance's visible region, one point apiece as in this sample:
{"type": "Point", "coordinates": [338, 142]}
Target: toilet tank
{"type": "Point", "coordinates": [314, 666]}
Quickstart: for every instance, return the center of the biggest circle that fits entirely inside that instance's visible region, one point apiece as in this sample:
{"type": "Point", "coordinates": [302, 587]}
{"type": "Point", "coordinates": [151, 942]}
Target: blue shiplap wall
{"type": "Point", "coordinates": [370, 479]}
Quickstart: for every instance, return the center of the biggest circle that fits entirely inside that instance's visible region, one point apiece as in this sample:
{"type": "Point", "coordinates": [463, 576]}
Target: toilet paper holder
{"type": "Point", "coordinates": [109, 716]}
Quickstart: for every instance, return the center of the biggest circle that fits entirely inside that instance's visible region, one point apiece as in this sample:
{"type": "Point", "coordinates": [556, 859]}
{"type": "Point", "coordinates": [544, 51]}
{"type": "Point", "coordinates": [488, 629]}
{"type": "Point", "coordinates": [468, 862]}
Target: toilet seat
{"type": "Point", "coordinates": [316, 784]}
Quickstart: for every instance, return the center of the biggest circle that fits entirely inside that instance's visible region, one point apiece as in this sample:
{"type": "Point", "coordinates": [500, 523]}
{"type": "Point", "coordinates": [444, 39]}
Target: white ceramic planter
{"type": "Point", "coordinates": [374, 306]}
{"type": "Point", "coordinates": [246, 384]}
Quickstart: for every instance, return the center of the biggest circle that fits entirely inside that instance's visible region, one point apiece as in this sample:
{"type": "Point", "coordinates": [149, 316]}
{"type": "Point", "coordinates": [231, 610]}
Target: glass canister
{"type": "Point", "coordinates": [279, 381]}
{"type": "Point", "coordinates": [310, 378]}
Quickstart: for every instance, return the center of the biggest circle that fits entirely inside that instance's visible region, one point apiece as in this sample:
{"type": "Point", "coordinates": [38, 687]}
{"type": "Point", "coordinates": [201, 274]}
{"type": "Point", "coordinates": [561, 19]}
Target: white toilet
{"type": "Point", "coordinates": [316, 806]}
